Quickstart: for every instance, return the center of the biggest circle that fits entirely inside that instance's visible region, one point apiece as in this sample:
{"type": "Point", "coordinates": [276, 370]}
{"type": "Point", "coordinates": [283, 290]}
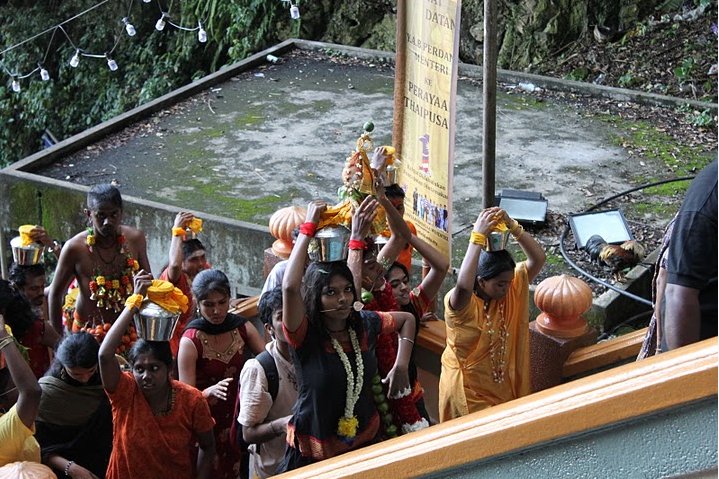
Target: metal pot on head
{"type": "Point", "coordinates": [329, 244]}
{"type": "Point", "coordinates": [25, 255]}
{"type": "Point", "coordinates": [497, 240]}
{"type": "Point", "coordinates": [154, 323]}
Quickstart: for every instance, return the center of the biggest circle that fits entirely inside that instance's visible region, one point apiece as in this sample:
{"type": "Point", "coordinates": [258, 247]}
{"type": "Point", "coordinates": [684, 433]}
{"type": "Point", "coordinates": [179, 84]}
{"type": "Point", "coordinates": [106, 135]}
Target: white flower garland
{"type": "Point", "coordinates": [354, 385]}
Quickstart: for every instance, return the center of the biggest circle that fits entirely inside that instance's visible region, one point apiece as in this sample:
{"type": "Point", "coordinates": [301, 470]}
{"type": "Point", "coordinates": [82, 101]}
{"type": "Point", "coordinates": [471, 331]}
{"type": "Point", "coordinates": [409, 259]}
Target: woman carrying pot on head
{"type": "Point", "coordinates": [213, 350]}
{"type": "Point", "coordinates": [333, 351]}
{"type": "Point", "coordinates": [418, 301]}
{"type": "Point", "coordinates": [74, 423]}
{"type": "Point", "coordinates": [486, 360]}
{"type": "Point", "coordinates": [155, 418]}
{"type": "Point", "coordinates": [407, 413]}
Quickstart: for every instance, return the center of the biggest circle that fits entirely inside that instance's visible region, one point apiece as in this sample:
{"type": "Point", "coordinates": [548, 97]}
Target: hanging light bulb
{"type": "Point", "coordinates": [294, 11]}
{"type": "Point", "coordinates": [75, 60]}
{"type": "Point", "coordinates": [129, 27]}
{"type": "Point", "coordinates": [44, 74]}
{"type": "Point", "coordinates": [201, 34]}
{"type": "Point", "coordinates": [160, 25]}
{"type": "Point", "coordinates": [111, 64]}
{"type": "Point", "coordinates": [15, 85]}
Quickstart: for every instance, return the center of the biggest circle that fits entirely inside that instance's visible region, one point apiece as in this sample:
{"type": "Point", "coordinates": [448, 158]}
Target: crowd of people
{"type": "Point", "coordinates": [331, 370]}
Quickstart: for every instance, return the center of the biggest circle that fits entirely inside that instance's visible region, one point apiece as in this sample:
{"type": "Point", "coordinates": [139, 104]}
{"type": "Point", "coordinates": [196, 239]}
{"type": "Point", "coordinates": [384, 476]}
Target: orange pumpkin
{"type": "Point", "coordinates": [562, 300]}
{"type": "Point", "coordinates": [282, 222]}
{"type": "Point", "coordinates": [26, 470]}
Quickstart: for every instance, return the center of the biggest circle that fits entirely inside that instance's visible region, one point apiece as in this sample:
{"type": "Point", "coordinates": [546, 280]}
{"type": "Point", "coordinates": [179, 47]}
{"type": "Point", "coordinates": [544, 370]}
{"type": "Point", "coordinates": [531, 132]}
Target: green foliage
{"type": "Point", "coordinates": [702, 119]}
{"type": "Point", "coordinates": [627, 80]}
{"type": "Point", "coordinates": [685, 70]}
{"type": "Point", "coordinates": [151, 63]}
{"type": "Point", "coordinates": [578, 74]}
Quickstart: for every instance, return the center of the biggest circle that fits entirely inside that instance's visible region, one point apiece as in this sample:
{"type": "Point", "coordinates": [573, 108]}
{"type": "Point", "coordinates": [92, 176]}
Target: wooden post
{"type": "Point", "coordinates": [400, 76]}
{"type": "Point", "coordinates": [489, 92]}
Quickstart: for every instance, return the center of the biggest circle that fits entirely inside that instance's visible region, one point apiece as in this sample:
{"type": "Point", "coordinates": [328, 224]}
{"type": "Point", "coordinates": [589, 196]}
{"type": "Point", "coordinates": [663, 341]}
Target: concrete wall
{"type": "Point", "coordinates": [235, 247]}
{"type": "Point", "coordinates": [675, 442]}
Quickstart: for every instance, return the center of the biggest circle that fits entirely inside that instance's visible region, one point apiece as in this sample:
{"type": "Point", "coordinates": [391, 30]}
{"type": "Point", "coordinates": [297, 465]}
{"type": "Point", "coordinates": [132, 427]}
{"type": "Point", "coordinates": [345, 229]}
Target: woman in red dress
{"type": "Point", "coordinates": [213, 350]}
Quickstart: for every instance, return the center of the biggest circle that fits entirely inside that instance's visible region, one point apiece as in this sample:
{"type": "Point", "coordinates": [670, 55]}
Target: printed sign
{"type": "Point", "coordinates": [430, 45]}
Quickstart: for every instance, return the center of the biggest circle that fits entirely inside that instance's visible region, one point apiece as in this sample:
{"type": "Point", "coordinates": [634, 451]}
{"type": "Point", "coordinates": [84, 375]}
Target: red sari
{"type": "Point", "coordinates": [212, 367]}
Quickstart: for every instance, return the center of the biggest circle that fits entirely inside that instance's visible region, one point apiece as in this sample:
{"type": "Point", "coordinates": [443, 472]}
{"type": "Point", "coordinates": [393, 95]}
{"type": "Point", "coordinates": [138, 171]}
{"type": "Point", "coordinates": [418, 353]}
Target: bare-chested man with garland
{"type": "Point", "coordinates": [102, 259]}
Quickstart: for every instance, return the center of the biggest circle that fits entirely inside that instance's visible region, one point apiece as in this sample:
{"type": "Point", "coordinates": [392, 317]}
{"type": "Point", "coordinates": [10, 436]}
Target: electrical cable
{"type": "Point", "coordinates": [626, 322]}
{"type": "Point", "coordinates": [607, 200]}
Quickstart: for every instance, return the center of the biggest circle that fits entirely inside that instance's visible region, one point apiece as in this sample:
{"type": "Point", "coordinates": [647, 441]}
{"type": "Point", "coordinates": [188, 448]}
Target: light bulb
{"type": "Point", "coordinates": [44, 74]}
{"type": "Point", "coordinates": [295, 12]}
{"type": "Point", "coordinates": [147, 1]}
{"type": "Point", "coordinates": [111, 64]}
{"type": "Point", "coordinates": [16, 86]}
{"type": "Point", "coordinates": [201, 34]}
{"type": "Point", "coordinates": [129, 28]}
{"type": "Point", "coordinates": [75, 60]}
{"type": "Point", "coordinates": [160, 25]}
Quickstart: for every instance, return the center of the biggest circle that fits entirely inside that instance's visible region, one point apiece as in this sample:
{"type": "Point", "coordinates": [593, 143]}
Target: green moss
{"type": "Point", "coordinates": [58, 207]}
{"type": "Point", "coordinates": [249, 119]}
{"type": "Point", "coordinates": [213, 133]}
{"type": "Point", "coordinates": [555, 259]}
{"type": "Point", "coordinates": [654, 144]}
{"type": "Point", "coordinates": [522, 102]}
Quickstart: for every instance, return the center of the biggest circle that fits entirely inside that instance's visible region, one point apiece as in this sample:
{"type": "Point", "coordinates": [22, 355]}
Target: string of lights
{"type": "Point", "coordinates": [80, 52]}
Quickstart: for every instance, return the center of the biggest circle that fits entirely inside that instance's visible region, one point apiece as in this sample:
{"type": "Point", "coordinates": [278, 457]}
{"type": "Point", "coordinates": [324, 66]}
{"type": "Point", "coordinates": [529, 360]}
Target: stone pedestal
{"type": "Point", "coordinates": [548, 354]}
{"type": "Point", "coordinates": [270, 260]}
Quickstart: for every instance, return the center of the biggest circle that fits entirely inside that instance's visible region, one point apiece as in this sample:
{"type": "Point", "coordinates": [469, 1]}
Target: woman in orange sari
{"type": "Point", "coordinates": [486, 360]}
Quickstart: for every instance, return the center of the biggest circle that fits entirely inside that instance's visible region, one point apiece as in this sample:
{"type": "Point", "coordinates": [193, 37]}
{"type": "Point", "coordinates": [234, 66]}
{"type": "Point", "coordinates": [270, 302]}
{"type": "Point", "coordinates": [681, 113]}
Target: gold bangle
{"type": "Point", "coordinates": [6, 340]}
{"type": "Point", "coordinates": [134, 301]}
{"type": "Point", "coordinates": [177, 231]}
{"type": "Point", "coordinates": [478, 239]}
{"type": "Point", "coordinates": [517, 231]}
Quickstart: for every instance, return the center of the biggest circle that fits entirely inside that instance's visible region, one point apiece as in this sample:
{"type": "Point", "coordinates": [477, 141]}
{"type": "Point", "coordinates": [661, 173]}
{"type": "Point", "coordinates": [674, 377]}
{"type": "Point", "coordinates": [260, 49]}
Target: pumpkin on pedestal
{"type": "Point", "coordinates": [26, 470]}
{"type": "Point", "coordinates": [282, 223]}
{"type": "Point", "coordinates": [563, 299]}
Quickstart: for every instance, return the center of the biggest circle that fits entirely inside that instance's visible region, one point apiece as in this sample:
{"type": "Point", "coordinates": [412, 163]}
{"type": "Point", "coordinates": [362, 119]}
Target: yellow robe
{"type": "Point", "coordinates": [17, 442]}
{"type": "Point", "coordinates": [466, 384]}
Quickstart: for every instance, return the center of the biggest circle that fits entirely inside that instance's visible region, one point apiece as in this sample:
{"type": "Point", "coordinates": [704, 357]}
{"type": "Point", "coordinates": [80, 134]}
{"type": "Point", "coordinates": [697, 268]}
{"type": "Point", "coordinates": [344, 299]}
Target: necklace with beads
{"type": "Point", "coordinates": [496, 330]}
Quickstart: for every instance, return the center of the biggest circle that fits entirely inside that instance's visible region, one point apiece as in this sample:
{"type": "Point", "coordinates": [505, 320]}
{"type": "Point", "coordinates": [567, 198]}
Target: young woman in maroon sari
{"type": "Point", "coordinates": [213, 350]}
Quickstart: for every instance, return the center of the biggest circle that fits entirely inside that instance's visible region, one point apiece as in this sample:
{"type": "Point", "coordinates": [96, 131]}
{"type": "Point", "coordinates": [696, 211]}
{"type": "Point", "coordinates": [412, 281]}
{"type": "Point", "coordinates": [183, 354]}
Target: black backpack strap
{"type": "Point", "coordinates": [273, 378]}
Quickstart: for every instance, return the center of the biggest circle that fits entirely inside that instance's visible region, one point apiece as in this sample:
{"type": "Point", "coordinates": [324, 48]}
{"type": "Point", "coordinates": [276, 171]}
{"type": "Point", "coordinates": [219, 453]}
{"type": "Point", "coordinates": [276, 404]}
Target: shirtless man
{"type": "Point", "coordinates": [102, 259]}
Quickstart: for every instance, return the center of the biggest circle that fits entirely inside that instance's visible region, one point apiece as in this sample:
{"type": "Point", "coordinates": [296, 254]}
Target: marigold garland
{"type": "Point", "coordinates": [404, 409]}
{"type": "Point", "coordinates": [108, 292]}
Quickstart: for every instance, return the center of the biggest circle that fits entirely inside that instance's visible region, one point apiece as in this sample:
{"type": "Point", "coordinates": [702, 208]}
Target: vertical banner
{"type": "Point", "coordinates": [426, 93]}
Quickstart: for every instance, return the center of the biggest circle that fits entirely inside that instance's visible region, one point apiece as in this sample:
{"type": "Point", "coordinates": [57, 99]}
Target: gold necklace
{"type": "Point", "coordinates": [498, 335]}
{"type": "Point", "coordinates": [168, 405]}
